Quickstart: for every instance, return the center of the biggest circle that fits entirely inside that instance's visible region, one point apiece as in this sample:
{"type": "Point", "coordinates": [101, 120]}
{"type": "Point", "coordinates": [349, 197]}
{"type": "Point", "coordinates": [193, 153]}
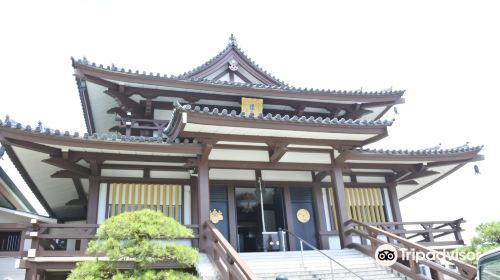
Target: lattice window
{"type": "Point", "coordinates": [124, 197]}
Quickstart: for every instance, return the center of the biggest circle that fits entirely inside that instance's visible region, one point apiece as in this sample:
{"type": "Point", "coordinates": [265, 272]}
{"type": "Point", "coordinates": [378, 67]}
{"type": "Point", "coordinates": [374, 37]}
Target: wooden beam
{"type": "Point", "coordinates": [68, 165]}
{"type": "Point", "coordinates": [34, 147]}
{"type": "Point", "coordinates": [79, 189]}
{"type": "Point", "coordinates": [75, 156]}
{"type": "Point", "coordinates": [144, 166]}
{"type": "Point", "coordinates": [277, 152]}
{"type": "Point", "coordinates": [226, 164]}
{"type": "Point", "coordinates": [269, 139]}
{"type": "Point", "coordinates": [320, 176]}
{"type": "Point", "coordinates": [67, 174]}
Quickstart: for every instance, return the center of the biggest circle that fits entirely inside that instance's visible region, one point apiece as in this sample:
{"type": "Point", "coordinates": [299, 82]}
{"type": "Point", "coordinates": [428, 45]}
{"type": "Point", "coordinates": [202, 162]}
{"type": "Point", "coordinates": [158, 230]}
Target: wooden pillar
{"type": "Point", "coordinates": [194, 200]}
{"type": "Point", "coordinates": [340, 204]}
{"type": "Point", "coordinates": [93, 196]}
{"type": "Point", "coordinates": [93, 200]}
{"type": "Point", "coordinates": [289, 215]}
{"type": "Point", "coordinates": [203, 197]}
{"type": "Point", "coordinates": [231, 205]}
{"type": "Point", "coordinates": [393, 198]}
{"type": "Point", "coordinates": [320, 217]}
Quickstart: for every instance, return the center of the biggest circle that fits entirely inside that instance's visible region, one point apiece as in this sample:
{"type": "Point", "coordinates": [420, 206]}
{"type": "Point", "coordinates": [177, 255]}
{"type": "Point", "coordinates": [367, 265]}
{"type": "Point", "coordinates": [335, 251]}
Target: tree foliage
{"type": "Point", "coordinates": [140, 239]}
{"type": "Point", "coordinates": [488, 238]}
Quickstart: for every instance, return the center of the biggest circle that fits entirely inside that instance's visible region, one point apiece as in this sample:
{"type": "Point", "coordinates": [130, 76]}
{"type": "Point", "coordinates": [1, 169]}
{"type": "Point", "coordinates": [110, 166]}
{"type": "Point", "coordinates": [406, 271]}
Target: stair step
{"type": "Point", "coordinates": [268, 265]}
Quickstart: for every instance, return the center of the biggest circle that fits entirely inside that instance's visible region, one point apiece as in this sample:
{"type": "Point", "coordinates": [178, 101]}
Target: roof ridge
{"type": "Point", "coordinates": [232, 45]}
{"type": "Point", "coordinates": [293, 89]}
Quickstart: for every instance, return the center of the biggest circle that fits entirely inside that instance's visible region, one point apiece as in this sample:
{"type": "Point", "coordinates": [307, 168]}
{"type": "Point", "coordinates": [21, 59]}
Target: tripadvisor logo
{"type": "Point", "coordinates": [386, 255]}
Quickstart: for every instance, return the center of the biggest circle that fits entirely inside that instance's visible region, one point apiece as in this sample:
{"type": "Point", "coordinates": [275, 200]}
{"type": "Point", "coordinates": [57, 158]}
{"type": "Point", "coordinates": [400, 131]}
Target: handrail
{"type": "Point", "coordinates": [466, 271]}
{"type": "Point", "coordinates": [223, 255]}
{"type": "Point", "coordinates": [317, 250]}
{"type": "Point", "coordinates": [429, 231]}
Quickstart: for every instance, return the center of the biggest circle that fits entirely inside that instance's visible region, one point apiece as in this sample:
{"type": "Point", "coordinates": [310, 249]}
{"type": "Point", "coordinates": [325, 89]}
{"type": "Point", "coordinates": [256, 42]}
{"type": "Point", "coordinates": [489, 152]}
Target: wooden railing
{"type": "Point", "coordinates": [371, 237]}
{"type": "Point", "coordinates": [427, 233]}
{"type": "Point", "coordinates": [141, 124]}
{"type": "Point", "coordinates": [59, 240]}
{"type": "Point", "coordinates": [230, 265]}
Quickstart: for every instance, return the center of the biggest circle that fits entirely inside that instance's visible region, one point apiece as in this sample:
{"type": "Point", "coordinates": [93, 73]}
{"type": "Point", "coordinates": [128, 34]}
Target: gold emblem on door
{"type": "Point", "coordinates": [216, 216]}
{"type": "Point", "coordinates": [303, 215]}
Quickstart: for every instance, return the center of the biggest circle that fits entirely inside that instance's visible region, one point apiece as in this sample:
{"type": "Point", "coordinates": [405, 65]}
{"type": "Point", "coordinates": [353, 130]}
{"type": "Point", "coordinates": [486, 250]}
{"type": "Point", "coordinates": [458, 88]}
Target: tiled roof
{"type": "Point", "coordinates": [113, 137]}
{"type": "Point", "coordinates": [279, 118]}
{"type": "Point", "coordinates": [286, 88]}
{"type": "Point", "coordinates": [232, 45]}
{"type": "Point", "coordinates": [432, 151]}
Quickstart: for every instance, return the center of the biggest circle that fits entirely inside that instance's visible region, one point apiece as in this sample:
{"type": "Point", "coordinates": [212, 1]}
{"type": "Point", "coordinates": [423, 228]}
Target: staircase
{"type": "Point", "coordinates": [316, 266]}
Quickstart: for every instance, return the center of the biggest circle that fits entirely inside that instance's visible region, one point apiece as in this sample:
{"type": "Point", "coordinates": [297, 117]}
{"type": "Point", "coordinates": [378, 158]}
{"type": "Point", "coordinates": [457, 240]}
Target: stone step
{"type": "Point", "coordinates": [268, 265]}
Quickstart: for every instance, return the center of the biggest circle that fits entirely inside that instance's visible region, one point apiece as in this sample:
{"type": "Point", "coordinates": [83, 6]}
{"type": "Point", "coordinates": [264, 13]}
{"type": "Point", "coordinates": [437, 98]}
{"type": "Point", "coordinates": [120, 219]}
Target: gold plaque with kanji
{"type": "Point", "coordinates": [252, 105]}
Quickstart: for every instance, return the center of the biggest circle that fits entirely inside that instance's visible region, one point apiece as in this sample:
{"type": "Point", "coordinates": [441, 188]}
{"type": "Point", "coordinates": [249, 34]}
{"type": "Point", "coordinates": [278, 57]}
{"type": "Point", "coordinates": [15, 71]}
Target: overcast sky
{"type": "Point", "coordinates": [446, 54]}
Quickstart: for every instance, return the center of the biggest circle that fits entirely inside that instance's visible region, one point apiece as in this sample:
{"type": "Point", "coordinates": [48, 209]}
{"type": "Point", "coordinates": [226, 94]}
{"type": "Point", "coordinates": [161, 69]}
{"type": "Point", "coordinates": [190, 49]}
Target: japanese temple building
{"type": "Point", "coordinates": [226, 144]}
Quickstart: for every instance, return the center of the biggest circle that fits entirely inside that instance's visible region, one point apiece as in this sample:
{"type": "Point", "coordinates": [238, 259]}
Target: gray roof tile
{"type": "Point", "coordinates": [110, 137]}
{"type": "Point", "coordinates": [428, 151]}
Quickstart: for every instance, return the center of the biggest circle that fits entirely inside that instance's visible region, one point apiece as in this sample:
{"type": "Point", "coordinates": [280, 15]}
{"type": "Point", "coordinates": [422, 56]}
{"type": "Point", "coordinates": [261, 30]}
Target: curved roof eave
{"type": "Point", "coordinates": [84, 67]}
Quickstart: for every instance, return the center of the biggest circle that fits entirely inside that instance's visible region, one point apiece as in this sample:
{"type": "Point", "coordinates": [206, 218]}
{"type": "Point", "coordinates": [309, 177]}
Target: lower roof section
{"type": "Point", "coordinates": [57, 166]}
{"type": "Point", "coordinates": [410, 170]}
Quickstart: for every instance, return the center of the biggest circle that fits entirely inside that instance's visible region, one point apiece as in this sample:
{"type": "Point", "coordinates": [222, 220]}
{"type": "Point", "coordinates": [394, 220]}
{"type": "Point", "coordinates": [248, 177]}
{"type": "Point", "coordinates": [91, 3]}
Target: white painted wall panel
{"type": "Point", "coordinates": [239, 155]}
{"type": "Point", "coordinates": [169, 174]}
{"type": "Point", "coordinates": [370, 179]}
{"type": "Point", "coordinates": [278, 175]}
{"type": "Point", "coordinates": [232, 174]}
{"type": "Point", "coordinates": [306, 157]}
{"type": "Point", "coordinates": [122, 173]}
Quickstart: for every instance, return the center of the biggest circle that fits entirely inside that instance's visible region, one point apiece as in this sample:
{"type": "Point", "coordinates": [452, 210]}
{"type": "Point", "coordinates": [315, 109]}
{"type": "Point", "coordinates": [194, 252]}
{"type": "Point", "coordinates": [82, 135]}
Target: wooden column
{"type": "Point", "coordinates": [340, 204]}
{"type": "Point", "coordinates": [231, 205]}
{"type": "Point", "coordinates": [289, 215]}
{"type": "Point", "coordinates": [203, 197]}
{"type": "Point", "coordinates": [320, 217]}
{"type": "Point", "coordinates": [393, 198]}
{"type": "Point", "coordinates": [93, 196]}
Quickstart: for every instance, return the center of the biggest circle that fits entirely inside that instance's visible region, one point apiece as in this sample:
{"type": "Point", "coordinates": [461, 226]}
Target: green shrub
{"type": "Point", "coordinates": [138, 238]}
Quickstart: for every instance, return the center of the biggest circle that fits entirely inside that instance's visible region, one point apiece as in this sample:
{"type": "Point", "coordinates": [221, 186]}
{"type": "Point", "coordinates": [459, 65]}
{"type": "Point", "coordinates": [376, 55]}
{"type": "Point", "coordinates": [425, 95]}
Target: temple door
{"type": "Point", "coordinates": [219, 210]}
{"type": "Point", "coordinates": [304, 224]}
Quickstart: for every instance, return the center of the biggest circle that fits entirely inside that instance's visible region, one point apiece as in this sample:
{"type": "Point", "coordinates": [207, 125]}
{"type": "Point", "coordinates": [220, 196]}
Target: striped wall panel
{"type": "Point", "coordinates": [364, 204]}
{"type": "Point", "coordinates": [123, 197]}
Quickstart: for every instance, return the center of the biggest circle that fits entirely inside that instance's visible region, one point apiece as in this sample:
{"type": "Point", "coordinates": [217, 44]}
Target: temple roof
{"type": "Point", "coordinates": [290, 89]}
{"type": "Point", "coordinates": [229, 52]}
{"type": "Point", "coordinates": [189, 122]}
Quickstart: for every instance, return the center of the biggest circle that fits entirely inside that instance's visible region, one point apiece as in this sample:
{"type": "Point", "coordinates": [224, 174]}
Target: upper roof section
{"type": "Point", "coordinates": [222, 81]}
{"type": "Point", "coordinates": [232, 65]}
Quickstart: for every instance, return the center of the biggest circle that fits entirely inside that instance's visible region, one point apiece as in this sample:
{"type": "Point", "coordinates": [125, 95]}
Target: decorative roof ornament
{"type": "Point", "coordinates": [232, 40]}
{"type": "Point", "coordinates": [233, 65]}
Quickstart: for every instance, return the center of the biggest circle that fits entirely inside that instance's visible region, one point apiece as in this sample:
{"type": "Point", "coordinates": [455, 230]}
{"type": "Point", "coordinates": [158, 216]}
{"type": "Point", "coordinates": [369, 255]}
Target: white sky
{"type": "Point", "coordinates": [446, 54]}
